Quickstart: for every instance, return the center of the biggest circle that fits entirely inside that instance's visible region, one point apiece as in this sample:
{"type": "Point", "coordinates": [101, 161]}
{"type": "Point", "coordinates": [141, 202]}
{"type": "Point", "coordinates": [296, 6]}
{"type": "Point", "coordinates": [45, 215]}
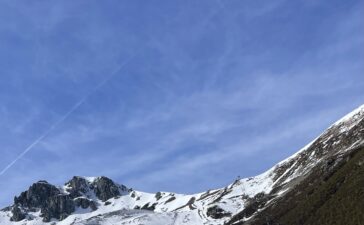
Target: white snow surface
{"type": "Point", "coordinates": [184, 209]}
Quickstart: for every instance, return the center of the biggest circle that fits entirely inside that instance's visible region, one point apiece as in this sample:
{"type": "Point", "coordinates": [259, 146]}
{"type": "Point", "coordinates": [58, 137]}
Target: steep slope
{"type": "Point", "coordinates": [323, 198]}
{"type": "Point", "coordinates": [299, 190]}
{"type": "Point", "coordinates": [328, 196]}
{"type": "Point", "coordinates": [330, 185]}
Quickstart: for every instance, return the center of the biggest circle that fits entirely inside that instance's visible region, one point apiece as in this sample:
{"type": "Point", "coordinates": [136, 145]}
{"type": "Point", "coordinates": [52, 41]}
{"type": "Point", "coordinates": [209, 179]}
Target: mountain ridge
{"type": "Point", "coordinates": [99, 200]}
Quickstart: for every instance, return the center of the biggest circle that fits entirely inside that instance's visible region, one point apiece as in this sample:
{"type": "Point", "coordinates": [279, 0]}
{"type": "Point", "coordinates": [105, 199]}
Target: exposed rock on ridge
{"type": "Point", "coordinates": [60, 202]}
{"type": "Point", "coordinates": [105, 188]}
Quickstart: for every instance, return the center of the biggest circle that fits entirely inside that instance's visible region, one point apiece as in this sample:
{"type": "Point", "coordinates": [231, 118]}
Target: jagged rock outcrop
{"type": "Point", "coordinates": [57, 204]}
{"type": "Point", "coordinates": [77, 186]}
{"type": "Point", "coordinates": [149, 207]}
{"type": "Point", "coordinates": [58, 207]}
{"type": "Point", "coordinates": [47, 198]}
{"type": "Point", "coordinates": [216, 212]}
{"type": "Point", "coordinates": [105, 188]}
{"type": "Point", "coordinates": [36, 195]}
{"type": "Point", "coordinates": [17, 214]}
{"type": "Point", "coordinates": [85, 203]}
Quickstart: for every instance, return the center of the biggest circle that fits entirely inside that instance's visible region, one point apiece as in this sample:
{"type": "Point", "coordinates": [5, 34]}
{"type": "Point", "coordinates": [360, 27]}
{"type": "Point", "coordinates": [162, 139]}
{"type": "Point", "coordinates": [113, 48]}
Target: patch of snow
{"type": "Point", "coordinates": [350, 115]}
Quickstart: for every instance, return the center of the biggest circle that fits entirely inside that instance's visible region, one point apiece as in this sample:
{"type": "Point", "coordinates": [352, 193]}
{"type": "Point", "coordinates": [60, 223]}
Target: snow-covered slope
{"type": "Point", "coordinates": [99, 200]}
{"type": "Point", "coordinates": [135, 207]}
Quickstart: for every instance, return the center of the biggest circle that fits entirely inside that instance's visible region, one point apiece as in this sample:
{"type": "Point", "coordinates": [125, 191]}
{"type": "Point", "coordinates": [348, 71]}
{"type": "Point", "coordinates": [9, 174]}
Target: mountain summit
{"type": "Point", "coordinates": [323, 183]}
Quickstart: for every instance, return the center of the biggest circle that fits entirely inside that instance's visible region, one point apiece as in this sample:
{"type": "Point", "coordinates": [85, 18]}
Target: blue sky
{"type": "Point", "coordinates": [208, 90]}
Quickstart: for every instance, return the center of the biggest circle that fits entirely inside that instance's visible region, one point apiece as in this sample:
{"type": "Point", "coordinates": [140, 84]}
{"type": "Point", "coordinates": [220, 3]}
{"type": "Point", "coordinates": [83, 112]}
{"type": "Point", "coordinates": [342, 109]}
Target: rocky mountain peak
{"type": "Point", "coordinates": [78, 186]}
{"type": "Point", "coordinates": [36, 195]}
{"type": "Point", "coordinates": [105, 188]}
{"type": "Point", "coordinates": [60, 202]}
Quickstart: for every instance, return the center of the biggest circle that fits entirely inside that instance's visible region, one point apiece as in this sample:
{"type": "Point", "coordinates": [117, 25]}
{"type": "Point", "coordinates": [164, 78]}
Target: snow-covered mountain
{"type": "Point", "coordinates": [99, 200]}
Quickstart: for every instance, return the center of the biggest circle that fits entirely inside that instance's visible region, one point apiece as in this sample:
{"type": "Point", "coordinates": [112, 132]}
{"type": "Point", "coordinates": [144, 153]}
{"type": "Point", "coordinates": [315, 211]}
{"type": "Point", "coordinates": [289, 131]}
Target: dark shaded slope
{"type": "Point", "coordinates": [333, 194]}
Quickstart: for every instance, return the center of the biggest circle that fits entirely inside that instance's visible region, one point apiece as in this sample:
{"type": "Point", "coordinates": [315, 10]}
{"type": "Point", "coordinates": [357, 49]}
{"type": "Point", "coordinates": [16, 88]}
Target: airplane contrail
{"type": "Point", "coordinates": [79, 103]}
{"type": "Point", "coordinates": [66, 115]}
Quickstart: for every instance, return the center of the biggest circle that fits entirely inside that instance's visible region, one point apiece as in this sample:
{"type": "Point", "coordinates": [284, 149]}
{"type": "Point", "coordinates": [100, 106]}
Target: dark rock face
{"type": "Point", "coordinates": [149, 207]}
{"type": "Point", "coordinates": [53, 203]}
{"type": "Point", "coordinates": [18, 215]}
{"type": "Point", "coordinates": [85, 203]}
{"type": "Point", "coordinates": [158, 195]}
{"type": "Point", "coordinates": [170, 199]}
{"type": "Point", "coordinates": [78, 183]}
{"type": "Point", "coordinates": [36, 195]}
{"type": "Point", "coordinates": [107, 203]}
{"type": "Point", "coordinates": [77, 186]}
{"type": "Point", "coordinates": [105, 188]}
{"type": "Point", "coordinates": [253, 204]}
{"type": "Point", "coordinates": [58, 207]}
{"type": "Point", "coordinates": [216, 212]}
